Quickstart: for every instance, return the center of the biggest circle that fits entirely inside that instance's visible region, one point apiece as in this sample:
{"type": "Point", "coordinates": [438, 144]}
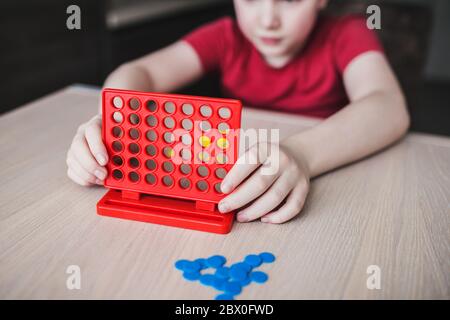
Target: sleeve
{"type": "Point", "coordinates": [208, 41]}
{"type": "Point", "coordinates": [353, 39]}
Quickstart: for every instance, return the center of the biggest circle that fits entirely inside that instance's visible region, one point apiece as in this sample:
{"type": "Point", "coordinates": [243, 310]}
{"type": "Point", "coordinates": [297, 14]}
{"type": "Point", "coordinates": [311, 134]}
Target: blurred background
{"type": "Point", "coordinates": [40, 55]}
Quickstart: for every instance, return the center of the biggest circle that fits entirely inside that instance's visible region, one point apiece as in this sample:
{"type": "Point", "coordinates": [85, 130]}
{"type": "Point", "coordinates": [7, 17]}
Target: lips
{"type": "Point", "coordinates": [270, 41]}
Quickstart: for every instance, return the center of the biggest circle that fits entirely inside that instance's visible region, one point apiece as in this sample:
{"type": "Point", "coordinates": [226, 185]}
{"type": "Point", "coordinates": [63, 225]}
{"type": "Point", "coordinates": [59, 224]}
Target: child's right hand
{"type": "Point", "coordinates": [87, 155]}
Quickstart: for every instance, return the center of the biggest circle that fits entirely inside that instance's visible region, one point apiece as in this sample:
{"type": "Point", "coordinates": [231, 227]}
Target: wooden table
{"type": "Point", "coordinates": [391, 210]}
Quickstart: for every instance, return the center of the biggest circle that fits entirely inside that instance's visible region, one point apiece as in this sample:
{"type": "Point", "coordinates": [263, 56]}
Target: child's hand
{"type": "Point", "coordinates": [289, 180]}
{"type": "Point", "coordinates": [87, 154]}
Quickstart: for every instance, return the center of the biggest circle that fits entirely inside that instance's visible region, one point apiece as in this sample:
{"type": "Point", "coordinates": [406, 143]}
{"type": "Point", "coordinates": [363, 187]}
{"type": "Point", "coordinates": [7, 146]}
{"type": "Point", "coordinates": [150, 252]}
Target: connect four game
{"type": "Point", "coordinates": [168, 154]}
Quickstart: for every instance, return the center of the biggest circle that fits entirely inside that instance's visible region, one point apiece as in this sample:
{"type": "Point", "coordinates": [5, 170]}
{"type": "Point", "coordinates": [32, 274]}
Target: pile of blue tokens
{"type": "Point", "coordinates": [228, 279]}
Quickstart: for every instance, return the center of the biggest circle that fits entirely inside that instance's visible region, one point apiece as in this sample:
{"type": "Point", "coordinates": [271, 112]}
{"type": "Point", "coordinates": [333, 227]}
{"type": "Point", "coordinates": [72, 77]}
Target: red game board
{"type": "Point", "coordinates": [168, 154]}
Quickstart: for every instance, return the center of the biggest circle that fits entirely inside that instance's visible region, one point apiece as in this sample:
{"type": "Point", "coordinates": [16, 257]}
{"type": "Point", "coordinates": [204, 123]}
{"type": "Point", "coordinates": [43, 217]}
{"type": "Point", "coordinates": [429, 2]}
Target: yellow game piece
{"type": "Point", "coordinates": [168, 152]}
{"type": "Point", "coordinates": [223, 143]}
{"type": "Point", "coordinates": [203, 156]}
{"type": "Point", "coordinates": [221, 158]}
{"type": "Point", "coordinates": [204, 141]}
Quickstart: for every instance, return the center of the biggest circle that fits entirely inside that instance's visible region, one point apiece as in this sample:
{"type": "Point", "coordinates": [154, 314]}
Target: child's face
{"type": "Point", "coordinates": [277, 28]}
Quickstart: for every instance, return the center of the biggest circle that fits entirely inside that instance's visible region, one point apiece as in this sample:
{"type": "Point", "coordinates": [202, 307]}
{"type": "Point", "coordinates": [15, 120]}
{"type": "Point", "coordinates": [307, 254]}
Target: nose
{"type": "Point", "coordinates": [269, 15]}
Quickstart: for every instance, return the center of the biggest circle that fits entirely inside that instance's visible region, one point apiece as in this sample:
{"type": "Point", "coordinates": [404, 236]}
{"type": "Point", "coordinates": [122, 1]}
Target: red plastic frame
{"type": "Point", "coordinates": [158, 203]}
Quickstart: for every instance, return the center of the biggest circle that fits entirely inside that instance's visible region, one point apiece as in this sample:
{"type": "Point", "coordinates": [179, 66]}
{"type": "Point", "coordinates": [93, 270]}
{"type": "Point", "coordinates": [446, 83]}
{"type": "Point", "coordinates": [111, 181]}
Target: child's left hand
{"type": "Point", "coordinates": [288, 180]}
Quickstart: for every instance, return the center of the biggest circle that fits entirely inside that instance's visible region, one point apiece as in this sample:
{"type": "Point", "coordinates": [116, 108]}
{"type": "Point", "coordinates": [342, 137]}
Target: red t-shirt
{"type": "Point", "coordinates": [310, 84]}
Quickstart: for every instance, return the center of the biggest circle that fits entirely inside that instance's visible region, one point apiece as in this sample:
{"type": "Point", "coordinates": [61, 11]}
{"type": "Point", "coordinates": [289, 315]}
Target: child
{"type": "Point", "coordinates": [283, 55]}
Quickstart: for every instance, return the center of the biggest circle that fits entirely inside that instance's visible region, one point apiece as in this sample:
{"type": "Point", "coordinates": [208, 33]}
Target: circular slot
{"type": "Point", "coordinates": [118, 117]}
{"type": "Point", "coordinates": [220, 173]}
{"type": "Point", "coordinates": [150, 178]}
{"type": "Point", "coordinates": [150, 150]}
{"type": "Point", "coordinates": [205, 111]}
{"type": "Point", "coordinates": [186, 139]}
{"type": "Point", "coordinates": [185, 183]}
{"type": "Point", "coordinates": [186, 154]}
{"type": "Point", "coordinates": [187, 124]}
{"type": "Point", "coordinates": [117, 146]}
{"type": "Point", "coordinates": [133, 176]}
{"type": "Point", "coordinates": [167, 181]}
{"type": "Point", "coordinates": [169, 137]}
{"type": "Point", "coordinates": [222, 158]}
{"type": "Point", "coordinates": [134, 133]}
{"type": "Point", "coordinates": [134, 119]}
{"type": "Point", "coordinates": [151, 105]}
{"type": "Point", "coordinates": [117, 102]}
{"type": "Point", "coordinates": [150, 165]}
{"type": "Point", "coordinates": [187, 109]}
{"type": "Point", "coordinates": [117, 174]}
{"type": "Point", "coordinates": [169, 122]}
{"type": "Point", "coordinates": [117, 160]}
{"type": "Point", "coordinates": [151, 135]}
{"type": "Point", "coordinates": [225, 113]}
{"type": "Point", "coordinates": [203, 171]}
{"type": "Point", "coordinates": [168, 152]}
{"type": "Point", "coordinates": [152, 121]}
{"type": "Point", "coordinates": [133, 163]}
{"type": "Point", "coordinates": [168, 166]}
{"type": "Point", "coordinates": [205, 125]}
{"type": "Point", "coordinates": [135, 103]}
{"type": "Point", "coordinates": [223, 128]}
{"type": "Point", "coordinates": [117, 132]}
{"type": "Point", "coordinates": [169, 107]}
{"type": "Point", "coordinates": [202, 185]}
{"type": "Point", "coordinates": [217, 187]}
{"type": "Point", "coordinates": [134, 148]}
{"type": "Point", "coordinates": [185, 169]}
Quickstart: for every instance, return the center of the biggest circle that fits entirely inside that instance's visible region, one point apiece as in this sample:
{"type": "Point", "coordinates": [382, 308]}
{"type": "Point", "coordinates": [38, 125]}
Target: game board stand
{"type": "Point", "coordinates": [196, 215]}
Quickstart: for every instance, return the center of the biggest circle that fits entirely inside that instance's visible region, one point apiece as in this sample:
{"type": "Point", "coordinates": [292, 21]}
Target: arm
{"type": "Point", "coordinates": [163, 70]}
{"type": "Point", "coordinates": [376, 117]}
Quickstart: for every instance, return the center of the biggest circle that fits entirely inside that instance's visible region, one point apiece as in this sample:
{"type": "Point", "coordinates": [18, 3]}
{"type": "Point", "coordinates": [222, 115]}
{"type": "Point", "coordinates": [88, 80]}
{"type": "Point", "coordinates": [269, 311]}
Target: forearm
{"type": "Point", "coordinates": [360, 129]}
{"type": "Point", "coordinates": [131, 77]}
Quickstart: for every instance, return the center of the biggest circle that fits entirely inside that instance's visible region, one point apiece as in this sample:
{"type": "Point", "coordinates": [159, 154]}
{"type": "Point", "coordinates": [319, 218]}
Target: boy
{"type": "Point", "coordinates": [280, 54]}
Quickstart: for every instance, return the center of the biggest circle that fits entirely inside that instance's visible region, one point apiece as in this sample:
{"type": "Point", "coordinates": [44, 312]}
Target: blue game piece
{"type": "Point", "coordinates": [216, 261]}
{"type": "Point", "coordinates": [223, 272]}
{"type": "Point", "coordinates": [219, 283]}
{"type": "Point", "coordinates": [207, 279]}
{"type": "Point", "coordinates": [246, 281]}
{"type": "Point", "coordinates": [267, 257]}
{"type": "Point", "coordinates": [191, 276]}
{"type": "Point", "coordinates": [233, 287]}
{"type": "Point", "coordinates": [224, 296]}
{"type": "Point", "coordinates": [253, 260]}
{"type": "Point", "coordinates": [238, 273]}
{"type": "Point", "coordinates": [258, 276]}
{"type": "Point", "coordinates": [202, 263]}
{"type": "Point", "coordinates": [181, 264]}
{"type": "Point", "coordinates": [192, 266]}
{"type": "Point", "coordinates": [242, 265]}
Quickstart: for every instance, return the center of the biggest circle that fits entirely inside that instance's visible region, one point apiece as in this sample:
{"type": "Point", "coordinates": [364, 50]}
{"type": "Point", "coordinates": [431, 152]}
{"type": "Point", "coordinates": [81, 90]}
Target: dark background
{"type": "Point", "coordinates": [39, 54]}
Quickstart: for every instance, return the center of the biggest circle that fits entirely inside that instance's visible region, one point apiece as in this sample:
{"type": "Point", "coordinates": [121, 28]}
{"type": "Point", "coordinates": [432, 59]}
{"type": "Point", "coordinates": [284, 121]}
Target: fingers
{"type": "Point", "coordinates": [93, 135]}
{"type": "Point", "coordinates": [80, 172]}
{"type": "Point", "coordinates": [294, 204]}
{"type": "Point", "coordinates": [72, 175]}
{"type": "Point", "coordinates": [244, 166]}
{"type": "Point", "coordinates": [249, 190]}
{"type": "Point", "coordinates": [81, 152]}
{"type": "Point", "coordinates": [269, 200]}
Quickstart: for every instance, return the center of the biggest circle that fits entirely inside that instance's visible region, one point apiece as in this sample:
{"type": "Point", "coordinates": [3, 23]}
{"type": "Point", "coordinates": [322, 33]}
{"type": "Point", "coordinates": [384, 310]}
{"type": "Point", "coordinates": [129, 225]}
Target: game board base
{"type": "Point", "coordinates": [164, 211]}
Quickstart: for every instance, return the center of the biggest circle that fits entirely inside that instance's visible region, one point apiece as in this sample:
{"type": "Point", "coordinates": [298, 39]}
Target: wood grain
{"type": "Point", "coordinates": [390, 210]}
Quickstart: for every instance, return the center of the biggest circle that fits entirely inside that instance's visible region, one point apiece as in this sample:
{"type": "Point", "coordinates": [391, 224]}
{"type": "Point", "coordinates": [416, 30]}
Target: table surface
{"type": "Point", "coordinates": [391, 210]}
